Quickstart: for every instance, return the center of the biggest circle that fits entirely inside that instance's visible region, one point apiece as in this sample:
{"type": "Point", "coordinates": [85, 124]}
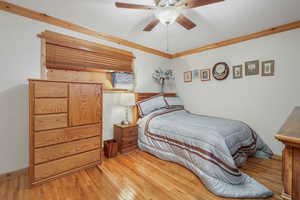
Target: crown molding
{"type": "Point", "coordinates": [18, 10]}
{"type": "Point", "coordinates": [274, 30]}
{"type": "Point", "coordinates": [25, 12]}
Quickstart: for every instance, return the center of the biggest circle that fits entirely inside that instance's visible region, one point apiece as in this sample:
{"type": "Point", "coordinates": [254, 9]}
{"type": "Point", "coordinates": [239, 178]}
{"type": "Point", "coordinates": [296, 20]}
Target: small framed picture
{"type": "Point", "coordinates": [237, 71]}
{"type": "Point", "coordinates": [187, 76]}
{"type": "Point", "coordinates": [252, 68]}
{"type": "Point", "coordinates": [268, 68]}
{"type": "Point", "coordinates": [205, 75]}
{"type": "Point", "coordinates": [195, 74]}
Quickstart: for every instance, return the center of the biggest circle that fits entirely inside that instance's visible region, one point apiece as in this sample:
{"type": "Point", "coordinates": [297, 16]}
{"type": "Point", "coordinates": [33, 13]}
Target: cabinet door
{"type": "Point", "coordinates": [85, 104]}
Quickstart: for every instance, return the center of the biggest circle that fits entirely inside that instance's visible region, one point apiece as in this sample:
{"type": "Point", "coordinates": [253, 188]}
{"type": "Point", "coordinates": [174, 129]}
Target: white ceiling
{"type": "Point", "coordinates": [216, 22]}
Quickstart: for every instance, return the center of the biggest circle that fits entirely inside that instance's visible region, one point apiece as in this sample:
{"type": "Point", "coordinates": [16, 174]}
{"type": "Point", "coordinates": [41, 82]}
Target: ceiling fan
{"type": "Point", "coordinates": [169, 11]}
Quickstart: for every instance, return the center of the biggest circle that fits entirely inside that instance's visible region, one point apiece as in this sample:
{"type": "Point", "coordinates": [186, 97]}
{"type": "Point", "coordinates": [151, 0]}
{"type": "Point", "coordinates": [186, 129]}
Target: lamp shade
{"type": "Point", "coordinates": [127, 99]}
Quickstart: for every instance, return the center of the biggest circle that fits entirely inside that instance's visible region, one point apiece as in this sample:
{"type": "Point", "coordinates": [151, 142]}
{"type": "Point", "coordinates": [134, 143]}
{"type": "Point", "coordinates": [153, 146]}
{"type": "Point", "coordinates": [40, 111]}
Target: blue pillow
{"type": "Point", "coordinates": [174, 102]}
{"type": "Point", "coordinates": [151, 104]}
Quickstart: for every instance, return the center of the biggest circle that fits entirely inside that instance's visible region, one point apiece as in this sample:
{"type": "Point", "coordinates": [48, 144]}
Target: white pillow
{"type": "Point", "coordinates": [174, 102]}
{"type": "Point", "coordinates": [151, 104]}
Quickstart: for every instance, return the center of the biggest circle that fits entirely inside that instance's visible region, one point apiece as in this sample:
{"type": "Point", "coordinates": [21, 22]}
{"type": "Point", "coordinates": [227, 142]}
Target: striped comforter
{"type": "Point", "coordinates": [213, 148]}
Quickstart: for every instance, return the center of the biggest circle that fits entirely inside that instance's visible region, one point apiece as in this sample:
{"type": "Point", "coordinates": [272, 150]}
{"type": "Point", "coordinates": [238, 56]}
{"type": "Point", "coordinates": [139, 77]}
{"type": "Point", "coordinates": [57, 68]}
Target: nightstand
{"type": "Point", "coordinates": [126, 136]}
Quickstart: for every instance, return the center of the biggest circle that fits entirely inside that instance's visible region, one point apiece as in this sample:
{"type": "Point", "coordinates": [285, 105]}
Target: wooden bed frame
{"type": "Point", "coordinates": [142, 96]}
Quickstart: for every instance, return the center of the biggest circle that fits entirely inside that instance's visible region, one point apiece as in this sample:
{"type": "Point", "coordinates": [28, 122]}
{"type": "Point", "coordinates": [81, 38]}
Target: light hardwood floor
{"type": "Point", "coordinates": [134, 176]}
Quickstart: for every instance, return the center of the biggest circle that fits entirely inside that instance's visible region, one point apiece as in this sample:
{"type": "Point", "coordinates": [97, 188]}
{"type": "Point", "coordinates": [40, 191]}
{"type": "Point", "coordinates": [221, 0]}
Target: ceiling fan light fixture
{"type": "Point", "coordinates": [168, 15]}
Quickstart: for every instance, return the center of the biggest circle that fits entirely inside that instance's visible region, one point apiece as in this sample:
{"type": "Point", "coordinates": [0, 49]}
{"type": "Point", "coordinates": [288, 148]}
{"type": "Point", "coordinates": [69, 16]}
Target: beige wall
{"type": "Point", "coordinates": [262, 102]}
{"type": "Point", "coordinates": [20, 60]}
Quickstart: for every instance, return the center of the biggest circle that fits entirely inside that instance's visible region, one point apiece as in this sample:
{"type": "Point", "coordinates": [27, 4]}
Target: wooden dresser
{"type": "Point", "coordinates": [126, 137]}
{"type": "Point", "coordinates": [65, 128]}
{"type": "Point", "coordinates": [289, 135]}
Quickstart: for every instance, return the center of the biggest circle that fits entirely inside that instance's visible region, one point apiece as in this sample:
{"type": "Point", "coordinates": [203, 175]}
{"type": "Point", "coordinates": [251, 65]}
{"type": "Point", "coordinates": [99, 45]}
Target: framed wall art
{"type": "Point", "coordinates": [195, 74]}
{"type": "Point", "coordinates": [220, 71]}
{"type": "Point", "coordinates": [252, 68]}
{"type": "Point", "coordinates": [187, 76]}
{"type": "Point", "coordinates": [237, 71]}
{"type": "Point", "coordinates": [205, 75]}
{"type": "Point", "coordinates": [268, 68]}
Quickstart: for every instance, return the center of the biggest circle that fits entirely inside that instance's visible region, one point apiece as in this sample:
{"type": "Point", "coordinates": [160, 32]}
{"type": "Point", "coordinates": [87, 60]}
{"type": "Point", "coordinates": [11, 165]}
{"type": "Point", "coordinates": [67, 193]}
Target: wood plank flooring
{"type": "Point", "coordinates": [135, 176]}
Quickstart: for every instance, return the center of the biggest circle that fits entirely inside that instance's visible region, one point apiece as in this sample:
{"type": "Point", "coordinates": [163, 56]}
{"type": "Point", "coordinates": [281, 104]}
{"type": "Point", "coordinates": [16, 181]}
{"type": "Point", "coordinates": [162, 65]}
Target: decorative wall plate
{"type": "Point", "coordinates": [220, 71]}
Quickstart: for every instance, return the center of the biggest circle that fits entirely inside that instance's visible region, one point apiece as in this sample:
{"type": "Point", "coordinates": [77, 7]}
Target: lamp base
{"type": "Point", "coordinates": [125, 122]}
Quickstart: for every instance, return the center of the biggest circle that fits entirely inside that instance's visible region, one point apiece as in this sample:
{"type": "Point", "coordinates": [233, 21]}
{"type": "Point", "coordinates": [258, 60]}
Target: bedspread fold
{"type": "Point", "coordinates": [213, 148]}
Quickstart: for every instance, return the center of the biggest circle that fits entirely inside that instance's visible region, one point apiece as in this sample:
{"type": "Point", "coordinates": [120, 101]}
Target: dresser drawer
{"type": "Point", "coordinates": [65, 164]}
{"type": "Point", "coordinates": [66, 149]}
{"type": "Point", "coordinates": [45, 122]}
{"type": "Point", "coordinates": [132, 131]}
{"type": "Point", "coordinates": [50, 89]}
{"type": "Point", "coordinates": [51, 137]}
{"type": "Point", "coordinates": [50, 106]}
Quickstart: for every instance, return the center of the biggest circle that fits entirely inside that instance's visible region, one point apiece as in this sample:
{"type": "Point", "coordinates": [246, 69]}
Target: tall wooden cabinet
{"type": "Point", "coordinates": [289, 135]}
{"type": "Point", "coordinates": [65, 128]}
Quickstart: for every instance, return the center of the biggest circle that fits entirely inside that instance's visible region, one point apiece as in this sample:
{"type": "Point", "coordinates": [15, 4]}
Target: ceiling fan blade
{"type": "Point", "coordinates": [151, 25]}
{"type": "Point", "coordinates": [134, 6]}
{"type": "Point", "coordinates": [185, 22]}
{"type": "Point", "coordinates": [198, 3]}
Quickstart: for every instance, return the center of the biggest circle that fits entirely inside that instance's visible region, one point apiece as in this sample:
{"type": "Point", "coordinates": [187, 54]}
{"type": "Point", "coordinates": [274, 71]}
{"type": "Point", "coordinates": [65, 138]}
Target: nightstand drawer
{"type": "Point", "coordinates": [128, 143]}
{"type": "Point", "coordinates": [132, 131]}
{"type": "Point", "coordinates": [129, 148]}
{"type": "Point", "coordinates": [129, 139]}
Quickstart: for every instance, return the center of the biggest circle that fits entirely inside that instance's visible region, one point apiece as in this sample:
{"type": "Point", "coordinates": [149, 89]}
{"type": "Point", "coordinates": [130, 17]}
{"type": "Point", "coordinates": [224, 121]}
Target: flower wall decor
{"type": "Point", "coordinates": [160, 76]}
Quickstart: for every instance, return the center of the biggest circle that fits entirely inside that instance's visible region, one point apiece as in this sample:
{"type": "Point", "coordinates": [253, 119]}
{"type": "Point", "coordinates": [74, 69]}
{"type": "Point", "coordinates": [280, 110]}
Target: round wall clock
{"type": "Point", "coordinates": [220, 71]}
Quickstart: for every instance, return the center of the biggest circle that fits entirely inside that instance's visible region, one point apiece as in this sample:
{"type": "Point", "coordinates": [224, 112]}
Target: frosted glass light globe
{"type": "Point", "coordinates": [168, 15]}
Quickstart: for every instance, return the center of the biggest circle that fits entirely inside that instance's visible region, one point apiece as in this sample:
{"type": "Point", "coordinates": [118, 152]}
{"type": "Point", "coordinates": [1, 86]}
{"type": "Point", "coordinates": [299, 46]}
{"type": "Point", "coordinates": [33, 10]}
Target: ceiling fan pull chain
{"type": "Point", "coordinates": [167, 37]}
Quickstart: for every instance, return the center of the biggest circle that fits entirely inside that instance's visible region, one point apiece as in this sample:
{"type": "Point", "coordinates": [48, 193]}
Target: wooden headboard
{"type": "Point", "coordinates": [142, 96]}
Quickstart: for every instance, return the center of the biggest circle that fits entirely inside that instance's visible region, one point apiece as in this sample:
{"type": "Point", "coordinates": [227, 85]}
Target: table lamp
{"type": "Point", "coordinates": [127, 100]}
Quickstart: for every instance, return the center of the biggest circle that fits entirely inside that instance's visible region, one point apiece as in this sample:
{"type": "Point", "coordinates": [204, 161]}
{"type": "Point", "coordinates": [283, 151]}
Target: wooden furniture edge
{"type": "Point", "coordinates": [13, 174]}
{"type": "Point", "coordinates": [287, 139]}
{"type": "Point", "coordinates": [31, 79]}
{"type": "Point", "coordinates": [126, 126]}
{"type": "Point", "coordinates": [113, 90]}
{"type": "Point", "coordinates": [43, 59]}
{"type": "Point", "coordinates": [266, 32]}
{"type": "Point", "coordinates": [32, 14]}
{"type": "Point", "coordinates": [30, 129]}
